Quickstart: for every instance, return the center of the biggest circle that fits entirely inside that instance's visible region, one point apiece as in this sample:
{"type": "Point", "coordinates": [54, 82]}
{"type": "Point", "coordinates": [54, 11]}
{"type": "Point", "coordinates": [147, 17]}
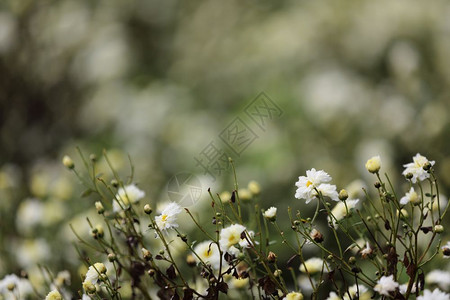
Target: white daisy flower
{"type": "Point", "coordinates": [54, 295]}
{"type": "Point", "coordinates": [94, 272]}
{"type": "Point", "coordinates": [314, 265]}
{"type": "Point", "coordinates": [385, 285]}
{"type": "Point", "coordinates": [410, 197]}
{"type": "Point", "coordinates": [18, 285]}
{"type": "Point", "coordinates": [416, 168]}
{"type": "Point", "coordinates": [168, 216]}
{"type": "Point", "coordinates": [435, 295]}
{"type": "Point", "coordinates": [230, 236]}
{"type": "Point", "coordinates": [333, 296]}
{"type": "Point", "coordinates": [208, 253]}
{"type": "Point", "coordinates": [357, 290]}
{"type": "Point", "coordinates": [307, 186]}
{"type": "Point", "coordinates": [340, 211]}
{"type": "Point", "coordinates": [270, 214]}
{"type": "Point", "coordinates": [439, 277]}
{"type": "Point", "coordinates": [294, 296]}
{"type": "Point", "coordinates": [126, 196]}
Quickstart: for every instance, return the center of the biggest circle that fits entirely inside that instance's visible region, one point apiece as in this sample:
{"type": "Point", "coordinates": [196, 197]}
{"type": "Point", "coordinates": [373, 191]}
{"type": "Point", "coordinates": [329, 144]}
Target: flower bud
{"type": "Point", "coordinates": [409, 175]}
{"type": "Point", "coordinates": [277, 273]}
{"type": "Point", "coordinates": [93, 157]}
{"type": "Point", "coordinates": [343, 195]}
{"type": "Point", "coordinates": [68, 162]}
{"type": "Point", "coordinates": [146, 254]}
{"type": "Point", "coordinates": [427, 166]}
{"type": "Point", "coordinates": [352, 260]}
{"type": "Point", "coordinates": [151, 272]}
{"type": "Point", "coordinates": [373, 165]}
{"type": "Point", "coordinates": [190, 260]}
{"type": "Point", "coordinates": [316, 235]}
{"type": "Point", "coordinates": [89, 287]}
{"type": "Point", "coordinates": [438, 228]}
{"type": "Point", "coordinates": [254, 188]}
{"type": "Point", "coordinates": [271, 214]}
{"type": "Point", "coordinates": [112, 257]}
{"type": "Point", "coordinates": [11, 286]}
{"type": "Point", "coordinates": [99, 207]}
{"type": "Point", "coordinates": [245, 195]}
{"type": "Point", "coordinates": [114, 183]}
{"type": "Point", "coordinates": [148, 209]}
{"type": "Point", "coordinates": [377, 184]}
{"type": "Point", "coordinates": [271, 257]}
{"type": "Point", "coordinates": [403, 214]}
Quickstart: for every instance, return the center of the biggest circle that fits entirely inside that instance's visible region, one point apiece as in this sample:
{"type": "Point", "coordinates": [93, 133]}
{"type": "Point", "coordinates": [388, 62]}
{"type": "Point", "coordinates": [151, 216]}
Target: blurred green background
{"type": "Point", "coordinates": [160, 80]}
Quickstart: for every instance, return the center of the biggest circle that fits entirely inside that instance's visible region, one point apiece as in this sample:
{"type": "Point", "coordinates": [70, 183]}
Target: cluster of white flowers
{"type": "Point", "coordinates": [313, 183]}
{"type": "Point", "coordinates": [434, 295]}
{"type": "Point", "coordinates": [126, 196]}
{"type": "Point", "coordinates": [416, 168]}
{"type": "Point", "coordinates": [167, 218]}
{"type": "Point", "coordinates": [386, 285]}
{"type": "Point", "coordinates": [93, 276]}
{"type": "Point", "coordinates": [12, 285]}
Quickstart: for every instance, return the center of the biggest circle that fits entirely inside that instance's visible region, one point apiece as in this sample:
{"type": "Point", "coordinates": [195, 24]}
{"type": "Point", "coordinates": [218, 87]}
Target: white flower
{"type": "Point", "coordinates": [435, 295]}
{"type": "Point", "coordinates": [410, 196]}
{"type": "Point", "coordinates": [208, 253]}
{"type": "Point", "coordinates": [416, 168]}
{"type": "Point", "coordinates": [127, 195]}
{"type": "Point", "coordinates": [404, 288]}
{"type": "Point", "coordinates": [85, 297]}
{"type": "Point", "coordinates": [366, 251]}
{"type": "Point", "coordinates": [93, 273]}
{"type": "Point", "coordinates": [294, 296]}
{"type": "Point", "coordinates": [54, 295]}
{"type": "Point", "coordinates": [307, 186]}
{"type": "Point", "coordinates": [19, 285]}
{"type": "Point", "coordinates": [373, 165]}
{"type": "Point", "coordinates": [340, 211]}
{"type": "Point", "coordinates": [385, 285]}
{"type": "Point", "coordinates": [271, 213]}
{"type": "Point", "coordinates": [314, 265]}
{"type": "Point", "coordinates": [439, 277]}
{"type": "Point", "coordinates": [168, 216]}
{"type": "Point", "coordinates": [446, 250]}
{"type": "Point", "coordinates": [230, 236]}
{"type": "Point", "coordinates": [333, 296]}
{"type": "Point", "coordinates": [355, 290]}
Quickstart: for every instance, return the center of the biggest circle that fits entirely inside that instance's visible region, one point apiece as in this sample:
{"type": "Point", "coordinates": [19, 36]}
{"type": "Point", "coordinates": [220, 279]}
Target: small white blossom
{"type": "Point", "coordinates": [410, 197]}
{"type": "Point", "coordinates": [333, 296]}
{"type": "Point", "coordinates": [127, 195]}
{"type": "Point", "coordinates": [21, 286]}
{"type": "Point", "coordinates": [404, 288]}
{"type": "Point", "coordinates": [385, 285]}
{"type": "Point", "coordinates": [208, 253]}
{"type": "Point", "coordinates": [270, 213]}
{"type": "Point", "coordinates": [367, 251]}
{"type": "Point", "coordinates": [439, 277]}
{"type": "Point", "coordinates": [230, 236]}
{"type": "Point", "coordinates": [54, 295]}
{"type": "Point", "coordinates": [294, 296]}
{"type": "Point", "coordinates": [168, 216]}
{"type": "Point", "coordinates": [340, 211]}
{"type": "Point", "coordinates": [94, 272]}
{"type": "Point", "coordinates": [357, 290]}
{"type": "Point", "coordinates": [435, 295]}
{"type": "Point", "coordinates": [416, 168]}
{"type": "Point", "coordinates": [314, 265]}
{"type": "Point", "coordinates": [307, 186]}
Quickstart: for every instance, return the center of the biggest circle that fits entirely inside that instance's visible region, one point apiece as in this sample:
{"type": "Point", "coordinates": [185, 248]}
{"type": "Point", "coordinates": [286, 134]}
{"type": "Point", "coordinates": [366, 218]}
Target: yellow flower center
{"type": "Point", "coordinates": [207, 253]}
{"type": "Point", "coordinates": [308, 183]}
{"type": "Point", "coordinates": [164, 218]}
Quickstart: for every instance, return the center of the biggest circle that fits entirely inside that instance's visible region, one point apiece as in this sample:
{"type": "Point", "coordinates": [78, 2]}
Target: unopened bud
{"type": "Point", "coordinates": [148, 209]}
{"type": "Point", "coordinates": [146, 254]}
{"type": "Point", "coordinates": [271, 257]}
{"type": "Point", "coordinates": [343, 195]}
{"type": "Point", "coordinates": [377, 184]}
{"type": "Point", "coordinates": [373, 165]}
{"type": "Point", "coordinates": [112, 257]}
{"type": "Point", "coordinates": [11, 286]}
{"type": "Point", "coordinates": [409, 175]}
{"type": "Point", "coordinates": [241, 256]}
{"type": "Point", "coordinates": [316, 235]}
{"type": "Point", "coordinates": [68, 162]}
{"type": "Point", "coordinates": [254, 187]}
{"type": "Point", "coordinates": [277, 273]}
{"type": "Point", "coordinates": [190, 260]}
{"type": "Point", "coordinates": [99, 207]}
{"type": "Point", "coordinates": [427, 166]}
{"type": "Point", "coordinates": [151, 272]}
{"type": "Point", "coordinates": [438, 228]}
{"type": "Point", "coordinates": [93, 157]}
{"type": "Point", "coordinates": [352, 260]}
